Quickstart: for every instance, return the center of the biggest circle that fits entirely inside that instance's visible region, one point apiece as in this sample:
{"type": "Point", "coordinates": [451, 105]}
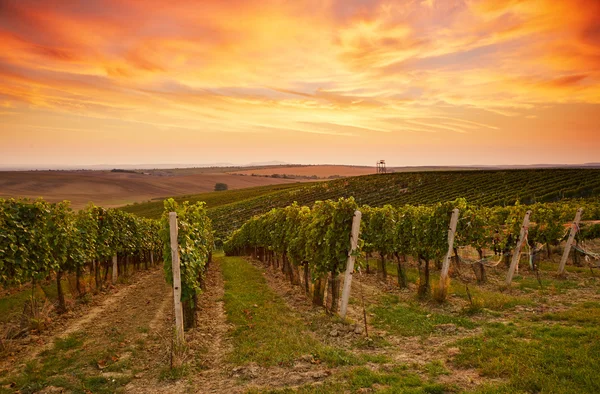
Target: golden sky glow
{"type": "Point", "coordinates": [427, 82]}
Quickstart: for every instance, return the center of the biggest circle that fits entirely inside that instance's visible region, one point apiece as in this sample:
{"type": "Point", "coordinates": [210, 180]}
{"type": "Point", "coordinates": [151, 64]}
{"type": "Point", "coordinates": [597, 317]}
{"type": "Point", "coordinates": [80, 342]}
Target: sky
{"type": "Point", "coordinates": [416, 82]}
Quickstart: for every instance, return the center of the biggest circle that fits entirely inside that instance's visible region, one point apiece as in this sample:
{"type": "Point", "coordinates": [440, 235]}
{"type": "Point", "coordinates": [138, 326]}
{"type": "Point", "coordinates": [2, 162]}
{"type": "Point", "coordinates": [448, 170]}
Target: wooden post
{"type": "Point", "coordinates": [517, 252]}
{"type": "Point", "coordinates": [574, 227]}
{"type": "Point", "coordinates": [115, 269]}
{"type": "Point", "coordinates": [176, 278]}
{"type": "Point", "coordinates": [446, 263]}
{"type": "Point", "coordinates": [152, 258]}
{"type": "Point", "coordinates": [350, 263]}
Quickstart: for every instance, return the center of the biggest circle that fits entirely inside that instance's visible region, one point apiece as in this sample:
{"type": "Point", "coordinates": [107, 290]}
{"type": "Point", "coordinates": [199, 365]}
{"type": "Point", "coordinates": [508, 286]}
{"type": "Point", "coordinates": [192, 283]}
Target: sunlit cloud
{"type": "Point", "coordinates": [373, 72]}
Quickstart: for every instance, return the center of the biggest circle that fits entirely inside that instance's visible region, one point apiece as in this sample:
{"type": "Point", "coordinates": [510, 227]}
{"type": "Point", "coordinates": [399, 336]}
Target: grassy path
{"type": "Point", "coordinates": [266, 331]}
{"type": "Point", "coordinates": [277, 334]}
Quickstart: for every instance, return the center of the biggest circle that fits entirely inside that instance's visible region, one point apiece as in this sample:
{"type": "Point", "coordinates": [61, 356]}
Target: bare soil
{"type": "Point", "coordinates": [76, 319]}
{"type": "Point", "coordinates": [113, 189]}
{"type": "Point", "coordinates": [320, 171]}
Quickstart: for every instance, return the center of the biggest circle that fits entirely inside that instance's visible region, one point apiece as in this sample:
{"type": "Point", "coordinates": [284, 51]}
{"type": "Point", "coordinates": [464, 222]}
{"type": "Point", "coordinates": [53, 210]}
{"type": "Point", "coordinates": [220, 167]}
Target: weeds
{"type": "Point", "coordinates": [536, 357]}
{"type": "Point", "coordinates": [265, 329]}
{"type": "Point", "coordinates": [412, 320]}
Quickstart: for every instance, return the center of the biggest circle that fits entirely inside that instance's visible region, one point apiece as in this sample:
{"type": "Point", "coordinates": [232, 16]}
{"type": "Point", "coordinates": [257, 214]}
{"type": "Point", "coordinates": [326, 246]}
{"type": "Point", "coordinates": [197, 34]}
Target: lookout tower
{"type": "Point", "coordinates": [381, 167]}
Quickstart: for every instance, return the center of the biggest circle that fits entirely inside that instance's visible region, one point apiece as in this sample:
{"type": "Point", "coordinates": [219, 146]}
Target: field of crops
{"type": "Point", "coordinates": [264, 317]}
{"type": "Point", "coordinates": [230, 209]}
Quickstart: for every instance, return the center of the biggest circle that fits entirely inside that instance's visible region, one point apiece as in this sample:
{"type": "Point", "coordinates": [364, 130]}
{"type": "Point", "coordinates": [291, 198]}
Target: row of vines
{"type": "Point", "coordinates": [195, 246]}
{"type": "Point", "coordinates": [484, 188]}
{"type": "Point", "coordinates": [41, 239]}
{"type": "Point", "coordinates": [311, 245]}
{"type": "Point", "coordinates": [229, 210]}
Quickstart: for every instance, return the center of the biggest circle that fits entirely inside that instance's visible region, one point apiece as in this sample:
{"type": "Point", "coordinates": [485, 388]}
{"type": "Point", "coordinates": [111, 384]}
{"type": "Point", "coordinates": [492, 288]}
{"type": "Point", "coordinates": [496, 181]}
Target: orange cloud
{"type": "Point", "coordinates": [364, 70]}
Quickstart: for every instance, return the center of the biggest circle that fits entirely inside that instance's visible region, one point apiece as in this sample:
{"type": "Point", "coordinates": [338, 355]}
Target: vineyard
{"type": "Point", "coordinates": [316, 240]}
{"type": "Point", "coordinates": [39, 238]}
{"type": "Point", "coordinates": [154, 209]}
{"type": "Point", "coordinates": [229, 210]}
{"type": "Point", "coordinates": [388, 283]}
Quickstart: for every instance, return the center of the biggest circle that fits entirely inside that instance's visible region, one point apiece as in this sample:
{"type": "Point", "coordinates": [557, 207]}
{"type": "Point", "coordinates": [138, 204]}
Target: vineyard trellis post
{"type": "Point", "coordinates": [176, 278]}
{"type": "Point", "coordinates": [115, 269]}
{"type": "Point", "coordinates": [574, 229]}
{"type": "Point", "coordinates": [517, 253]}
{"type": "Point", "coordinates": [350, 262]}
{"type": "Point", "coordinates": [446, 263]}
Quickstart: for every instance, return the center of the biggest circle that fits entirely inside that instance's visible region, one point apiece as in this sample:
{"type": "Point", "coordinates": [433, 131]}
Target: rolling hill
{"type": "Point", "coordinates": [231, 209]}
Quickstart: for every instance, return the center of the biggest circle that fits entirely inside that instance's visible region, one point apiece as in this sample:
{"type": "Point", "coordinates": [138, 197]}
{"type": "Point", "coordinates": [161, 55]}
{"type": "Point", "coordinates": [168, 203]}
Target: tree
{"type": "Point", "coordinates": [219, 187]}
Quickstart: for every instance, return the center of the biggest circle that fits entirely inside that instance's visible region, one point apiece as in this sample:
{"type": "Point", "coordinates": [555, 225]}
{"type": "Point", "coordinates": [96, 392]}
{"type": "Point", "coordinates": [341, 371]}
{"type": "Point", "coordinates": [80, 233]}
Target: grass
{"type": "Point", "coordinates": [265, 330]}
{"type": "Point", "coordinates": [410, 319]}
{"type": "Point", "coordinates": [391, 267]}
{"type": "Point", "coordinates": [538, 357]}
{"type": "Point", "coordinates": [398, 379]}
{"type": "Point", "coordinates": [556, 286]}
{"type": "Point", "coordinates": [72, 365]}
{"type": "Point", "coordinates": [436, 368]}
{"type": "Point", "coordinates": [69, 364]}
{"type": "Point", "coordinates": [70, 342]}
{"type": "Point", "coordinates": [492, 300]}
{"type": "Point", "coordinates": [174, 374]}
{"type": "Point", "coordinates": [12, 305]}
{"type": "Point", "coordinates": [587, 313]}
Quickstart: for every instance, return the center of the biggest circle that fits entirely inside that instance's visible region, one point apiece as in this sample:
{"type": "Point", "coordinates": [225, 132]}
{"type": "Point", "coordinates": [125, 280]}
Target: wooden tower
{"type": "Point", "coordinates": [381, 167]}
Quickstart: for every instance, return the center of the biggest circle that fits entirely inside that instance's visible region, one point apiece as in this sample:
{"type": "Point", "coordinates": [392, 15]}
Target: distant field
{"type": "Point", "coordinates": [154, 209]}
{"type": "Point", "coordinates": [113, 189]}
{"type": "Point", "coordinates": [320, 171]}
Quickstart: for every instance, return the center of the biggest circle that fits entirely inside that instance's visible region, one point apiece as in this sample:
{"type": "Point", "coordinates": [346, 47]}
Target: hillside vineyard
{"type": "Point", "coordinates": [484, 188]}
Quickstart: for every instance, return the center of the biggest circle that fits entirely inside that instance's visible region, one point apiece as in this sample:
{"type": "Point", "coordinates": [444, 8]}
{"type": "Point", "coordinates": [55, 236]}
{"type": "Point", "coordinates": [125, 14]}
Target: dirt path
{"type": "Point", "coordinates": [122, 337]}
{"type": "Point", "coordinates": [69, 325]}
{"type": "Point", "coordinates": [126, 340]}
{"type": "Point", "coordinates": [209, 340]}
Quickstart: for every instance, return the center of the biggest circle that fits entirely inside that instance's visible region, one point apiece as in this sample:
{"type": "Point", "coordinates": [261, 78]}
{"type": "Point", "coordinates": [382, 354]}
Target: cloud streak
{"type": "Point", "coordinates": [357, 69]}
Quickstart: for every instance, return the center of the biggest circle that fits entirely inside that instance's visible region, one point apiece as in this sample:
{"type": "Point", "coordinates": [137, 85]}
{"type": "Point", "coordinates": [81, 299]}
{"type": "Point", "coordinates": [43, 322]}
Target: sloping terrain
{"type": "Point", "coordinates": [319, 171]}
{"type": "Point", "coordinates": [113, 189]}
{"type": "Point", "coordinates": [490, 188]}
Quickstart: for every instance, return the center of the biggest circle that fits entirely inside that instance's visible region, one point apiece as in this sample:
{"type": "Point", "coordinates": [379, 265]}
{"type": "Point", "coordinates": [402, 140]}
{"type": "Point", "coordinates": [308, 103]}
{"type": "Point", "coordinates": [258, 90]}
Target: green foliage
{"type": "Point", "coordinates": [25, 251]}
{"type": "Point", "coordinates": [39, 238]}
{"type": "Point", "coordinates": [297, 219]}
{"type": "Point", "coordinates": [378, 229]}
{"type": "Point", "coordinates": [195, 241]}
{"type": "Point", "coordinates": [154, 209]}
{"type": "Point", "coordinates": [589, 231]}
{"type": "Point", "coordinates": [230, 209]}
{"type": "Point", "coordinates": [328, 238]}
{"type": "Point", "coordinates": [319, 236]}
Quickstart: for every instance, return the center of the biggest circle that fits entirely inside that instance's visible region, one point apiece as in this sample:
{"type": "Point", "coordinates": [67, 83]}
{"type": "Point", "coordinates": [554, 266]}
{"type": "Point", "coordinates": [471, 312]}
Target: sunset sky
{"type": "Point", "coordinates": [424, 82]}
